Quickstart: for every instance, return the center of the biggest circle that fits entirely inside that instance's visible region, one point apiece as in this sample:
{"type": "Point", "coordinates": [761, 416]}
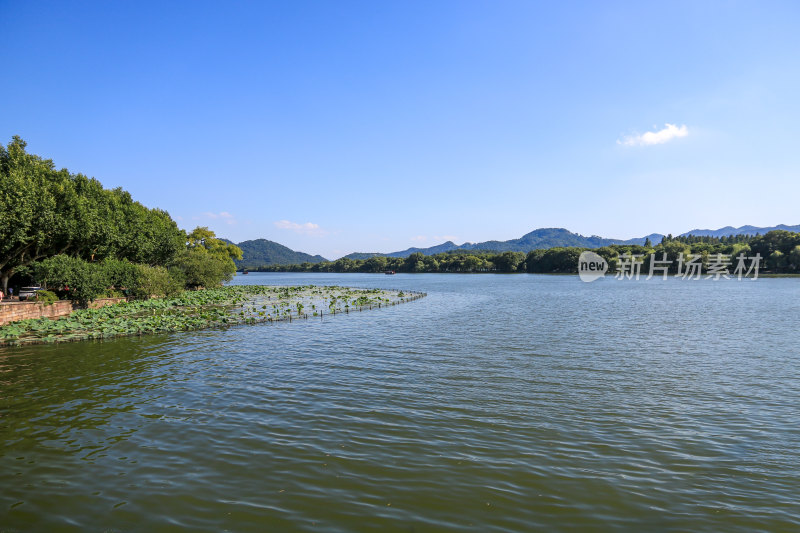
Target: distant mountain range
{"type": "Point", "coordinates": [744, 230]}
{"type": "Point", "coordinates": [560, 237]}
{"type": "Point", "coordinates": [262, 252]}
{"type": "Point", "coordinates": [540, 238]}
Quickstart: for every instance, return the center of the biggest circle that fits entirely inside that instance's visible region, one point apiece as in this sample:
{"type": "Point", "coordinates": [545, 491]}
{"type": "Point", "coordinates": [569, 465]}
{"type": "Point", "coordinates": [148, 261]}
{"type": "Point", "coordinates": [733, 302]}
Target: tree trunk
{"type": "Point", "coordinates": [4, 280]}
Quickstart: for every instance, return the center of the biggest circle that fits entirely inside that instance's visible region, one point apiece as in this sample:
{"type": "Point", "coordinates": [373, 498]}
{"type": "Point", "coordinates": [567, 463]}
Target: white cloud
{"type": "Point", "coordinates": [309, 228]}
{"type": "Point", "coordinates": [419, 238]}
{"type": "Point", "coordinates": [222, 216]}
{"type": "Point", "coordinates": [670, 131]}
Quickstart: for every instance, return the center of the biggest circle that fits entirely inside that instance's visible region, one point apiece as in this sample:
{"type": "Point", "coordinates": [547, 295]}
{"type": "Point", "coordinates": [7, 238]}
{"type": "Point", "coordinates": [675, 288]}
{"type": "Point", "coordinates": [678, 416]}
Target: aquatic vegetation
{"type": "Point", "coordinates": [191, 310]}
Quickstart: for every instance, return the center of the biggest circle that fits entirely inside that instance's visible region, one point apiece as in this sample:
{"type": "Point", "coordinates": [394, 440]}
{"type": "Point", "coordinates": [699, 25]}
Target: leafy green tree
{"type": "Point", "coordinates": [157, 282]}
{"type": "Point", "coordinates": [343, 264]}
{"type": "Point", "coordinates": [509, 261]}
{"type": "Point", "coordinates": [794, 258]}
{"type": "Point", "coordinates": [777, 240]}
{"type": "Point", "coordinates": [120, 274]}
{"type": "Point", "coordinates": [414, 262]}
{"type": "Point", "coordinates": [777, 261]}
{"type": "Point", "coordinates": [46, 212]}
{"type": "Point", "coordinates": [81, 281]}
{"type": "Point", "coordinates": [202, 237]}
{"type": "Point", "coordinates": [610, 254]}
{"type": "Point", "coordinates": [740, 248]}
{"type": "Point", "coordinates": [375, 264]}
{"type": "Point", "coordinates": [431, 264]}
{"type": "Point", "coordinates": [56, 272]}
{"type": "Point", "coordinates": [554, 260]}
{"type": "Point", "coordinates": [471, 263]}
{"type": "Point", "coordinates": [673, 250]}
{"type": "Point", "coordinates": [29, 227]}
{"type": "Point", "coordinates": [148, 236]}
{"type": "Point", "coordinates": [202, 269]}
{"type": "Point", "coordinates": [207, 261]}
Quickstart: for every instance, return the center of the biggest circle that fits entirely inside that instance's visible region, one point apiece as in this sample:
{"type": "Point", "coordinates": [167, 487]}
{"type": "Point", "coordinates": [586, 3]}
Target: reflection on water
{"type": "Point", "coordinates": [513, 402]}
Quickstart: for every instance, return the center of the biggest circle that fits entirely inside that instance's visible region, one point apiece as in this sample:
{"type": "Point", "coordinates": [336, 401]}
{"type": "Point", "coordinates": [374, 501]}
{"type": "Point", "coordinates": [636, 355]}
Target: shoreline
{"type": "Point", "coordinates": [643, 274]}
{"type": "Point", "coordinates": [224, 307]}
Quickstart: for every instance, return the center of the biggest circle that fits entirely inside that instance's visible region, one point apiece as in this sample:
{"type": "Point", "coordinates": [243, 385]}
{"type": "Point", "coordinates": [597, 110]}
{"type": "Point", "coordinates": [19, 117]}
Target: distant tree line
{"type": "Point", "coordinates": [68, 232]}
{"type": "Point", "coordinates": [779, 249]}
{"type": "Point", "coordinates": [707, 239]}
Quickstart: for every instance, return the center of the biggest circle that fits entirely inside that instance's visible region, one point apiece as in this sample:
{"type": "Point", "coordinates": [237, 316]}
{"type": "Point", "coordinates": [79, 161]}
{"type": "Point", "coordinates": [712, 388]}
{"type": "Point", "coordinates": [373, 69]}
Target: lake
{"type": "Point", "coordinates": [498, 402]}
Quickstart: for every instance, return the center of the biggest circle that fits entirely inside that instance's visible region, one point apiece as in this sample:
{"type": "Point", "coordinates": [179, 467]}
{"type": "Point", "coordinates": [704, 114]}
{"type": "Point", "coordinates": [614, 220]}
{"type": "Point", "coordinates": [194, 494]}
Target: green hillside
{"type": "Point", "coordinates": [261, 252]}
{"type": "Point", "coordinates": [537, 239]}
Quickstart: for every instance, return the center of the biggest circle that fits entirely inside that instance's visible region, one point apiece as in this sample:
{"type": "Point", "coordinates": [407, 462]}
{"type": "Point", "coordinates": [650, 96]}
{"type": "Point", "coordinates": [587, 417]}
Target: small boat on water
{"type": "Point", "coordinates": [389, 272]}
{"type": "Point", "coordinates": [245, 271]}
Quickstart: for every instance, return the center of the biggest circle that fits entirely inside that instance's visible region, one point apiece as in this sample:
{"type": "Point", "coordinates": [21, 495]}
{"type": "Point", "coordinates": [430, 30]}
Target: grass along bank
{"type": "Point", "coordinates": [192, 310]}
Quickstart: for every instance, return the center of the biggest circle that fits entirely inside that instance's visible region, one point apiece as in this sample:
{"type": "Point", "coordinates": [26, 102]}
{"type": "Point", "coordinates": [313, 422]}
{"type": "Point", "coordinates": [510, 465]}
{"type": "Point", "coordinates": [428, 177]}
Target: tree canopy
{"type": "Point", "coordinates": [46, 212]}
{"type": "Point", "coordinates": [207, 261]}
{"type": "Point", "coordinates": [67, 231]}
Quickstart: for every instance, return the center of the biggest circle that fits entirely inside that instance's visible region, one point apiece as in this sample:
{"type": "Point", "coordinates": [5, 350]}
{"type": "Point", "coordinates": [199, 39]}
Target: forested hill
{"type": "Point", "coordinates": [261, 252]}
{"type": "Point", "coordinates": [779, 252]}
{"type": "Point", "coordinates": [540, 238]}
{"type": "Point", "coordinates": [744, 230]}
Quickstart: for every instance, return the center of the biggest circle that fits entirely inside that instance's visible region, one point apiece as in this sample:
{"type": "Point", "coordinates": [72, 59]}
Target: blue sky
{"type": "Point", "coordinates": [335, 127]}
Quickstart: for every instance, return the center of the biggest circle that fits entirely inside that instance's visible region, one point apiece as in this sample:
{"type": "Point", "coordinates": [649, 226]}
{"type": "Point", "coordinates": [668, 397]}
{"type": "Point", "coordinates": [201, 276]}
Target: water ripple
{"type": "Point", "coordinates": [501, 403]}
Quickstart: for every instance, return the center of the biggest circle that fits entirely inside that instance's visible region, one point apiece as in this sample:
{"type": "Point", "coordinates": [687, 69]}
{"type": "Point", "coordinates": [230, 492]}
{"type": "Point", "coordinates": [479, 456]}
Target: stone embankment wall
{"type": "Point", "coordinates": [14, 311]}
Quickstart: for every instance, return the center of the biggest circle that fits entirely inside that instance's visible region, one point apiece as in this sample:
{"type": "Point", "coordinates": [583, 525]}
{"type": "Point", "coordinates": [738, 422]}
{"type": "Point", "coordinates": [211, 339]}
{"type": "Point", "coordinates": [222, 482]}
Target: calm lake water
{"type": "Point", "coordinates": [499, 402]}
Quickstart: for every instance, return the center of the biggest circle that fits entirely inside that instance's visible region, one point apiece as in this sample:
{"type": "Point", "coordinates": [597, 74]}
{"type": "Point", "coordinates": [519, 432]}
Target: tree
{"type": "Point", "coordinates": [776, 240]}
{"type": "Point", "coordinates": [431, 264]}
{"type": "Point", "coordinates": [471, 263]}
{"type": "Point", "coordinates": [794, 257]}
{"type": "Point", "coordinates": [157, 282]}
{"type": "Point", "coordinates": [554, 260]}
{"type": "Point", "coordinates": [81, 281]}
{"type": "Point", "coordinates": [29, 226]}
{"type": "Point", "coordinates": [375, 264]}
{"type": "Point", "coordinates": [202, 269]}
{"type": "Point", "coordinates": [777, 260]}
{"type": "Point", "coordinates": [46, 212]}
{"type": "Point", "coordinates": [207, 261]}
{"type": "Point", "coordinates": [414, 262]}
{"type": "Point", "coordinates": [205, 238]}
{"type": "Point", "coordinates": [343, 264]}
{"type": "Point", "coordinates": [673, 250]}
{"type": "Point", "coordinates": [120, 274]}
{"type": "Point", "coordinates": [509, 261]}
